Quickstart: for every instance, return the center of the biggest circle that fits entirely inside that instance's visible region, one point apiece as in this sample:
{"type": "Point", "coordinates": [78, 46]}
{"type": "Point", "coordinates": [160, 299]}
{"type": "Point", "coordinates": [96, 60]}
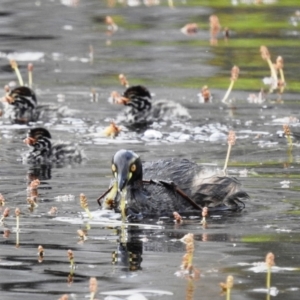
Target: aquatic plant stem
{"type": "Point", "coordinates": [17, 231]}
{"type": "Point", "coordinates": [273, 71]}
{"type": "Point", "coordinates": [231, 141]}
{"type": "Point", "coordinates": [71, 259]}
{"type": "Point", "coordinates": [228, 293]}
{"type": "Point", "coordinates": [281, 75]}
{"type": "Point", "coordinates": [19, 76]}
{"type": "Point", "coordinates": [30, 68]}
{"type": "Point", "coordinates": [269, 263]}
{"type": "Point", "coordinates": [227, 157]}
{"type": "Point", "coordinates": [123, 205]}
{"type": "Point", "coordinates": [88, 213]}
{"type": "Point", "coordinates": [228, 91]}
{"type": "Point", "coordinates": [268, 279]}
{"type": "Point", "coordinates": [234, 76]}
{"type": "Point", "coordinates": [14, 66]}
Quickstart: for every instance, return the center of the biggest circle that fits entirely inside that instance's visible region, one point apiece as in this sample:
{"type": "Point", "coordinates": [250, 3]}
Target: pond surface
{"type": "Point", "coordinates": [149, 48]}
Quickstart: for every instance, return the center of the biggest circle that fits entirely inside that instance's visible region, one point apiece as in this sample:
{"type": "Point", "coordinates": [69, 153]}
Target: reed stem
{"type": "Point", "coordinates": [228, 91]}
{"type": "Point", "coordinates": [227, 157]}
{"type": "Point", "coordinates": [228, 290]}
{"type": "Point", "coordinates": [14, 66]}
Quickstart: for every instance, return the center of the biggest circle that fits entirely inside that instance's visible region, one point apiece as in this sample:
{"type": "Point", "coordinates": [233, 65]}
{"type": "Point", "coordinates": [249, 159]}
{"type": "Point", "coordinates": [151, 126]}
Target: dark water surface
{"type": "Point", "coordinates": [150, 49]}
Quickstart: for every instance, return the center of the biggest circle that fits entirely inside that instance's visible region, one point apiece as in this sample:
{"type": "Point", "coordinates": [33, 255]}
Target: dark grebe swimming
{"type": "Point", "coordinates": [140, 111]}
{"type": "Point", "coordinates": [21, 107]}
{"type": "Point", "coordinates": [173, 185]}
{"type": "Point", "coordinates": [43, 151]}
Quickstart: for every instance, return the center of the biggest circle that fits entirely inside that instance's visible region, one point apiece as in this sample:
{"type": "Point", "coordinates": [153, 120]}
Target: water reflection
{"type": "Point", "coordinates": [129, 251]}
{"type": "Point", "coordinates": [42, 172]}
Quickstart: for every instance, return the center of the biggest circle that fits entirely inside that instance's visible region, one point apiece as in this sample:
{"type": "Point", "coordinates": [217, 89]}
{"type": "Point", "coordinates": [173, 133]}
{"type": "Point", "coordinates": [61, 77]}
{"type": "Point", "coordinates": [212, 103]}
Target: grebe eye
{"type": "Point", "coordinates": [133, 168]}
{"type": "Point", "coordinates": [113, 168]}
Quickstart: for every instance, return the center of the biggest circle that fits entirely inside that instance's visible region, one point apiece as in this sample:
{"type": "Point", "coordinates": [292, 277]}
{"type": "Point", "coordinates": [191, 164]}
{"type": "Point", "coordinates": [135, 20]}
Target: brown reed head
{"type": "Point", "coordinates": [279, 62]}
{"type": "Point", "coordinates": [83, 201]}
{"type": "Point", "coordinates": [6, 233]}
{"type": "Point", "coordinates": [177, 217]}
{"type": "Point", "coordinates": [109, 20]}
{"type": "Point", "coordinates": [286, 129]}
{"type": "Point", "coordinates": [264, 52]}
{"type": "Point", "coordinates": [13, 64]}
{"type": "Point", "coordinates": [234, 73]}
{"type": "Point", "coordinates": [214, 23]}
{"type": "Point", "coordinates": [93, 285]}
{"type": "Point", "coordinates": [41, 250]}
{"type": "Point", "coordinates": [81, 234]}
{"type": "Point", "coordinates": [5, 213]}
{"type": "Point", "coordinates": [112, 130]}
{"type": "Point", "coordinates": [30, 67]}
{"type": "Point", "coordinates": [2, 200]}
{"type": "Point", "coordinates": [228, 285]}
{"type": "Point", "coordinates": [188, 238]}
{"type": "Point", "coordinates": [123, 80]}
{"type": "Point", "coordinates": [229, 282]}
{"type": "Point", "coordinates": [204, 212]}
{"type": "Point", "coordinates": [231, 138]}
{"type": "Point", "coordinates": [270, 260]}
{"type": "Point", "coordinates": [34, 184]}
{"type": "Point", "coordinates": [205, 92]}
{"type": "Point", "coordinates": [70, 254]}
{"type": "Point", "coordinates": [17, 212]}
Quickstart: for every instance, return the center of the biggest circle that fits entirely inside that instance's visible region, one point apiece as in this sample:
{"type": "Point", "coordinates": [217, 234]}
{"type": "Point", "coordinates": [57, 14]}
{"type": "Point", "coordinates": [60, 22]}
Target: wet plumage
{"type": "Point", "coordinates": [44, 151]}
{"type": "Point", "coordinates": [21, 107]}
{"type": "Point", "coordinates": [165, 186]}
{"type": "Point", "coordinates": [140, 111]}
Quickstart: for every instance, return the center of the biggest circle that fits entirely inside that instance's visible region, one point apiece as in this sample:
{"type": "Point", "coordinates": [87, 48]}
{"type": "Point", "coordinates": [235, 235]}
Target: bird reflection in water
{"type": "Point", "coordinates": [35, 175]}
{"type": "Point", "coordinates": [129, 250]}
{"type": "Point", "coordinates": [41, 172]}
